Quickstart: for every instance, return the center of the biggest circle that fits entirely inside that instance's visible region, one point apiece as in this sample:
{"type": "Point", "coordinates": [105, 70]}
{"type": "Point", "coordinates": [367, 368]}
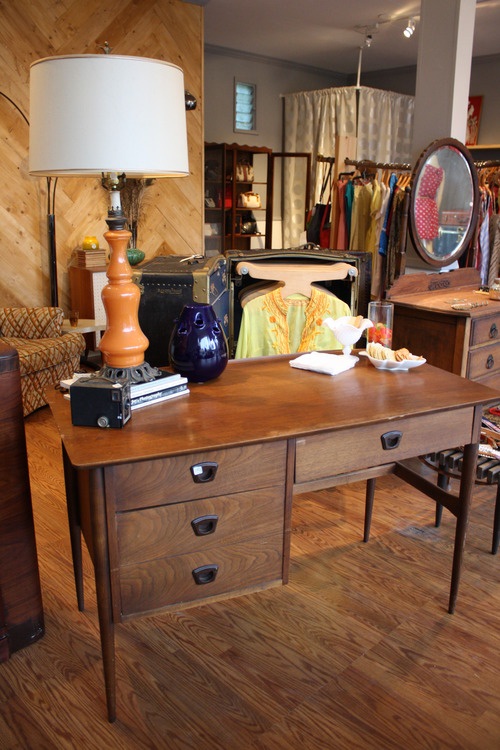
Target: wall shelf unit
{"type": "Point", "coordinates": [225, 218]}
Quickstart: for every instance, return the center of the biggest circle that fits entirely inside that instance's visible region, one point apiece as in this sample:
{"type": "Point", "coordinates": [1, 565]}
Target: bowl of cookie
{"type": "Point", "coordinates": [399, 360]}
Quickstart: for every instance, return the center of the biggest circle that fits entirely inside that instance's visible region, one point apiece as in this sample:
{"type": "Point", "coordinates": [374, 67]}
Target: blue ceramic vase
{"type": "Point", "coordinates": [198, 346]}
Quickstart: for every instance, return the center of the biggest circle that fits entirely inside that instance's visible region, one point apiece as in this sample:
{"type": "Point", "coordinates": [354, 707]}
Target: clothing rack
{"type": "Point", "coordinates": [490, 164]}
{"type": "Point", "coordinates": [398, 261]}
{"type": "Point", "coordinates": [327, 159]}
{"type": "Point", "coordinates": [363, 163]}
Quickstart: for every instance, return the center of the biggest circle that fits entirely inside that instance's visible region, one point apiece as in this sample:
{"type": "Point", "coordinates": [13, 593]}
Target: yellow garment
{"type": "Point", "coordinates": [372, 235]}
{"type": "Point", "coordinates": [360, 218]}
{"type": "Point", "coordinates": [273, 325]}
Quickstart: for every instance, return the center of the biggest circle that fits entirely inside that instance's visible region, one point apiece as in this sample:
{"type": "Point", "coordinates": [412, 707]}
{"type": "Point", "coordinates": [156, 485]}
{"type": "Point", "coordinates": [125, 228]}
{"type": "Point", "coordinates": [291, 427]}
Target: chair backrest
{"type": "Point", "coordinates": [31, 322]}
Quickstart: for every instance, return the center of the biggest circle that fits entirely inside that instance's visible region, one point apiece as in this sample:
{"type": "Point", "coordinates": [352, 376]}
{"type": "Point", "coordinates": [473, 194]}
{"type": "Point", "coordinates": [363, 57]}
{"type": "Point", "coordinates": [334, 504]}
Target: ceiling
{"type": "Point", "coordinates": [328, 34]}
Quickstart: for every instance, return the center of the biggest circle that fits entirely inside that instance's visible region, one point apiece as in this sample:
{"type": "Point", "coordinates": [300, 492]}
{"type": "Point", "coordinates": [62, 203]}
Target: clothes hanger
{"type": "Point", "coordinates": [257, 290]}
{"type": "Point", "coordinates": [404, 180]}
{"type": "Point", "coordinates": [297, 278]}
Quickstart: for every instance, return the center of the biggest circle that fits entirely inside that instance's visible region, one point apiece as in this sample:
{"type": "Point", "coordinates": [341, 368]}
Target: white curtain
{"type": "Point", "coordinates": [385, 125]}
{"type": "Point", "coordinates": [382, 121]}
{"type": "Point", "coordinates": [312, 121]}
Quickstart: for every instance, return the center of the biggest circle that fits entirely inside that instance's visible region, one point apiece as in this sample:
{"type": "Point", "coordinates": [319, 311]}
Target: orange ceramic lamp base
{"type": "Point", "coordinates": [123, 345]}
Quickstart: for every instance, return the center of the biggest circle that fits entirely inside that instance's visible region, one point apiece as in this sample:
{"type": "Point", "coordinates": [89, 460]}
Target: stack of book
{"type": "Point", "coordinates": [90, 258]}
{"type": "Point", "coordinates": [160, 389]}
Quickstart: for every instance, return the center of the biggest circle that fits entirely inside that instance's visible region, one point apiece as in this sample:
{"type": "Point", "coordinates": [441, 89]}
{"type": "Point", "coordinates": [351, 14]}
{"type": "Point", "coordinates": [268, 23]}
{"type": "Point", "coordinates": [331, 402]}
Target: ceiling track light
{"type": "Point", "coordinates": [410, 28]}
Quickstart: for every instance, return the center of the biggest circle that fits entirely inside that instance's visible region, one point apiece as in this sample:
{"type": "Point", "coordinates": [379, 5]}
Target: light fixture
{"type": "Point", "coordinates": [110, 116]}
{"type": "Point", "coordinates": [410, 28]}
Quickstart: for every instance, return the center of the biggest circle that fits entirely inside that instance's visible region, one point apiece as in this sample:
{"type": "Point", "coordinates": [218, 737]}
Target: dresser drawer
{"type": "Point", "coordinates": [170, 480]}
{"type": "Point", "coordinates": [484, 330]}
{"type": "Point", "coordinates": [483, 361]}
{"type": "Point", "coordinates": [329, 454]}
{"type": "Point", "coordinates": [198, 525]}
{"type": "Point", "coordinates": [151, 585]}
{"type": "Point", "coordinates": [492, 380]}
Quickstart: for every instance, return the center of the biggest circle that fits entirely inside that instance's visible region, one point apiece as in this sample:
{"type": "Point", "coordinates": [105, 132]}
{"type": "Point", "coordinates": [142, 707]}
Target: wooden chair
{"type": "Point", "coordinates": [448, 464]}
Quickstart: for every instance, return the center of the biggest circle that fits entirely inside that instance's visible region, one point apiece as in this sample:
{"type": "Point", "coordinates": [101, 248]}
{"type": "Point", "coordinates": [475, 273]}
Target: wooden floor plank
{"type": "Point", "coordinates": [358, 651]}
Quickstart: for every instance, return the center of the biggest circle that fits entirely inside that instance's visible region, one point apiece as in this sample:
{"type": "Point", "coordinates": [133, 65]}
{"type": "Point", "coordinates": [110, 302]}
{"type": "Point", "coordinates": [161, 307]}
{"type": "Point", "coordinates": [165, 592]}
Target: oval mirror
{"type": "Point", "coordinates": [444, 203]}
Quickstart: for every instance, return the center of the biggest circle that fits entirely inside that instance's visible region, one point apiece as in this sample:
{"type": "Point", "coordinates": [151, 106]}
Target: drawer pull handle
{"type": "Point", "coordinates": [204, 525]}
{"type": "Point", "coordinates": [205, 574]}
{"type": "Point", "coordinates": [490, 362]}
{"type": "Point", "coordinates": [493, 331]}
{"type": "Point", "coordinates": [391, 440]}
{"type": "Point", "coordinates": [204, 472]}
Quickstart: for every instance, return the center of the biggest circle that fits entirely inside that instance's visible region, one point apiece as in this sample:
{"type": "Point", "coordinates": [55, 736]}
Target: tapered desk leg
{"type": "Point", "coordinates": [465, 498]}
{"type": "Point", "coordinates": [103, 587]}
{"type": "Point", "coordinates": [369, 497]}
{"type": "Point", "coordinates": [75, 531]}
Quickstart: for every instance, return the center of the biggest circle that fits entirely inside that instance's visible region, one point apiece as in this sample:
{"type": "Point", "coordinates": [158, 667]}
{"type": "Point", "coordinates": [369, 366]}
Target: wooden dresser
{"type": "Point", "coordinates": [463, 341]}
{"type": "Point", "coordinates": [21, 611]}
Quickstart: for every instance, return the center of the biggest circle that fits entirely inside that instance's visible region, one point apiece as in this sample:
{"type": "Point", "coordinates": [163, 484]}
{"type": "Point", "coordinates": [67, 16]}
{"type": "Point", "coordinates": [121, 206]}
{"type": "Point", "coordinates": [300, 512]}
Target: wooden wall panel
{"type": "Point", "coordinates": [172, 219]}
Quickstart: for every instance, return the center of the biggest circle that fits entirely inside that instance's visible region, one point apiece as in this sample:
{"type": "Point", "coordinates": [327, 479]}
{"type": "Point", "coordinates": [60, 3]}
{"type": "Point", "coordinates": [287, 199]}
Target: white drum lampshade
{"type": "Point", "coordinates": [107, 113]}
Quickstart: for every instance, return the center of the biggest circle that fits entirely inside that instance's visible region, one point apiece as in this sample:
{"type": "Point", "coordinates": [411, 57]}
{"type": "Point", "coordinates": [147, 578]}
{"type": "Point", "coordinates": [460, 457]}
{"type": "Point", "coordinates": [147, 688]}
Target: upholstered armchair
{"type": "Point", "coordinates": [46, 354]}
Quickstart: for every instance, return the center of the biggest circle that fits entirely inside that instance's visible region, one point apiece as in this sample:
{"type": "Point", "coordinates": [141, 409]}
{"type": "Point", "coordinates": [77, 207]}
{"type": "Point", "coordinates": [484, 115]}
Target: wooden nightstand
{"type": "Point", "coordinates": [86, 285]}
{"type": "Point", "coordinates": [86, 326]}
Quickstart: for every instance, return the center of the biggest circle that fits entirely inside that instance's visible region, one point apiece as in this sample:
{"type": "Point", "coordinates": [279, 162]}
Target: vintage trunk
{"type": "Point", "coordinates": [167, 283]}
{"type": "Point", "coordinates": [21, 612]}
{"type": "Point", "coordinates": [354, 291]}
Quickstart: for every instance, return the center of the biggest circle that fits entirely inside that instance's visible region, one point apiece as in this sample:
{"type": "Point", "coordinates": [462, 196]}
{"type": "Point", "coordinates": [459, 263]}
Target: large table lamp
{"type": "Point", "coordinates": [114, 117]}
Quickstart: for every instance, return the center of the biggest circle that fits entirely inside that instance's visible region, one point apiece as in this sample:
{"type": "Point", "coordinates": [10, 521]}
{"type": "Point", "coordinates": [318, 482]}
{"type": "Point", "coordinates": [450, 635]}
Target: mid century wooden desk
{"type": "Point", "coordinates": [192, 500]}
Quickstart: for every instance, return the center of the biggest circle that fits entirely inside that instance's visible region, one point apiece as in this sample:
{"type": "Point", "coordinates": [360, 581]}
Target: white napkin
{"type": "Point", "coordinates": [328, 364]}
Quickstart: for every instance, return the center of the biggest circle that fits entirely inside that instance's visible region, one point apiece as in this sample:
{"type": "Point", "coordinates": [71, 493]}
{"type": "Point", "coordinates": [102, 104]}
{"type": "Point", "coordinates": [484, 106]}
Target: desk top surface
{"type": "Point", "coordinates": [260, 400]}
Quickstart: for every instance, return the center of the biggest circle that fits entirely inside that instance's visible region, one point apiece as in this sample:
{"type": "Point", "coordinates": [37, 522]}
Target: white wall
{"type": "Point", "coordinates": [274, 78]}
{"type": "Point", "coordinates": [484, 82]}
{"type": "Point", "coordinates": [401, 80]}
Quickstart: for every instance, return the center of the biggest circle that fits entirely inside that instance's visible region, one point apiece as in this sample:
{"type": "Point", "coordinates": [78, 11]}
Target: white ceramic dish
{"type": "Point", "coordinates": [387, 364]}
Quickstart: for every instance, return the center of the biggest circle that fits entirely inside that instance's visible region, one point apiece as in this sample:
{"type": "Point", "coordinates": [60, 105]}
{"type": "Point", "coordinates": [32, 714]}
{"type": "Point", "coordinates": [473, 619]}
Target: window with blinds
{"type": "Point", "coordinates": [245, 96]}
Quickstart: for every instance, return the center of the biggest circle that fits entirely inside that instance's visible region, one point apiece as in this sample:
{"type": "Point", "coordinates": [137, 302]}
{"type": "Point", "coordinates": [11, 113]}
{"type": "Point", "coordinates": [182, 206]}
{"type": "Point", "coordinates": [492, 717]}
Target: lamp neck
{"type": "Point", "coordinates": [116, 219]}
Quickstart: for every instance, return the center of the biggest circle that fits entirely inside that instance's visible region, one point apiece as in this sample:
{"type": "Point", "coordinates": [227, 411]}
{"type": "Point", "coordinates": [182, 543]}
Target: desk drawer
{"type": "Point", "coordinates": [152, 533]}
{"type": "Point", "coordinates": [485, 330]}
{"type": "Point", "coordinates": [151, 585]}
{"type": "Point", "coordinates": [483, 361]}
{"type": "Point", "coordinates": [170, 480]}
{"type": "Point", "coordinates": [329, 454]}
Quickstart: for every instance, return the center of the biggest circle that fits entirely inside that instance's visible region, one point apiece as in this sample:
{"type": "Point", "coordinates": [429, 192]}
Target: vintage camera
{"type": "Point", "coordinates": [99, 402]}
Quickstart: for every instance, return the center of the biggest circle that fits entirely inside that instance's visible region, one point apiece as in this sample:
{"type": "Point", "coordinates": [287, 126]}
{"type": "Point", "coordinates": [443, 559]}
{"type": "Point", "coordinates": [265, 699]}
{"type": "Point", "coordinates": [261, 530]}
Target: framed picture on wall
{"type": "Point", "coordinates": [473, 120]}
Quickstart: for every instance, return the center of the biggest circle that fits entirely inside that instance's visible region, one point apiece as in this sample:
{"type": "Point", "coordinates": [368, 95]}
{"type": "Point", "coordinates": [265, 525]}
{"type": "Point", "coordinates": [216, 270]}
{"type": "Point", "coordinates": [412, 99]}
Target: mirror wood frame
{"type": "Point", "coordinates": [422, 161]}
